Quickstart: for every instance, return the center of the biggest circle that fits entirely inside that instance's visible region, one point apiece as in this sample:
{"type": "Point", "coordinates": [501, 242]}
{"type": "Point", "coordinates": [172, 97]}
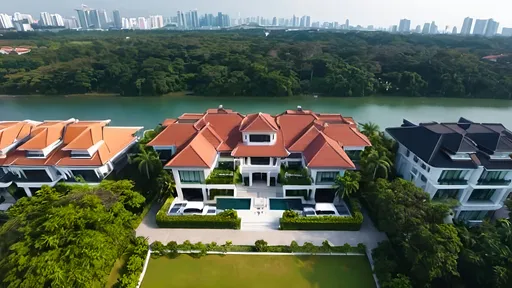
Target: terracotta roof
{"type": "Point", "coordinates": [198, 153]}
{"type": "Point", "coordinates": [324, 152]}
{"type": "Point", "coordinates": [44, 135]}
{"type": "Point", "coordinates": [168, 122]}
{"type": "Point", "coordinates": [346, 134]}
{"type": "Point", "coordinates": [260, 122]}
{"type": "Point", "coordinates": [176, 134]}
{"type": "Point", "coordinates": [304, 141]}
{"type": "Point", "coordinates": [82, 137]}
{"type": "Point", "coordinates": [293, 125]}
{"type": "Point", "coordinates": [226, 123]}
{"type": "Point", "coordinates": [276, 150]}
{"type": "Point", "coordinates": [209, 133]}
{"type": "Point", "coordinates": [10, 132]}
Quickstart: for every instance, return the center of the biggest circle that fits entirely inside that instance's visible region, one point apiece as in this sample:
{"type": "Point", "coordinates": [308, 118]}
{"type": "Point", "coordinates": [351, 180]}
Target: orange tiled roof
{"type": "Point", "coordinates": [296, 131]}
{"type": "Point", "coordinates": [324, 152]}
{"type": "Point", "coordinates": [12, 131]}
{"type": "Point", "coordinates": [44, 135]}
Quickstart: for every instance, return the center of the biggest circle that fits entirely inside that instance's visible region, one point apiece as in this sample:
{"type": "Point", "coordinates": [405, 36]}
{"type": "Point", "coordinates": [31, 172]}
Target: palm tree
{"type": "Point", "coordinates": [348, 184]}
{"type": "Point", "coordinates": [147, 160]}
{"type": "Point", "coordinates": [370, 129]}
{"type": "Point", "coordinates": [375, 161]}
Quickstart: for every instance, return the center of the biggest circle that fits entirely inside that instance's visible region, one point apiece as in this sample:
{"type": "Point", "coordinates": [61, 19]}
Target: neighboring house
{"type": "Point", "coordinates": [33, 154]}
{"type": "Point", "coordinates": [260, 147]}
{"type": "Point", "coordinates": [464, 161]}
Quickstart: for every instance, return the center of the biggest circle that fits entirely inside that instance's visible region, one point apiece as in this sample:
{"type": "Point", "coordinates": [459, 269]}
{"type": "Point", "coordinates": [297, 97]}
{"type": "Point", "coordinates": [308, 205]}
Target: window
{"type": "Point", "coordinates": [326, 177]}
{"type": "Point", "coordinates": [489, 177]}
{"type": "Point", "coordinates": [423, 166]}
{"type": "Point", "coordinates": [80, 154]}
{"type": "Point", "coordinates": [35, 154]}
{"type": "Point", "coordinates": [443, 194]}
{"type": "Point", "coordinates": [36, 176]}
{"type": "Point", "coordinates": [164, 154]}
{"type": "Point", "coordinates": [263, 138]}
{"type": "Point", "coordinates": [481, 195]}
{"type": "Point", "coordinates": [295, 156]}
{"type": "Point", "coordinates": [473, 215]}
{"type": "Point", "coordinates": [354, 154]}
{"type": "Point", "coordinates": [87, 175]}
{"type": "Point", "coordinates": [423, 178]}
{"type": "Point", "coordinates": [407, 153]}
{"type": "Point", "coordinates": [454, 177]}
{"type": "Point", "coordinates": [260, 161]}
{"type": "Point", "coordinates": [415, 159]}
{"type": "Point", "coordinates": [191, 176]}
{"type": "Point", "coordinates": [414, 171]}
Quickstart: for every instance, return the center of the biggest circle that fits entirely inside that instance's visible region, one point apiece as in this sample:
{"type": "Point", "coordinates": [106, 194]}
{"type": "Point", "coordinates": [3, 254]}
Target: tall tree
{"type": "Point", "coordinates": [147, 160]}
{"type": "Point", "coordinates": [347, 184]}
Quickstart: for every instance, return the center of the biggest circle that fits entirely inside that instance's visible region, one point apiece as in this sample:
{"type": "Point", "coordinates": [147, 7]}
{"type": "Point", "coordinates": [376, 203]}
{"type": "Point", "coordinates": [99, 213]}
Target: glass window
{"type": "Point", "coordinates": [408, 153]}
{"type": "Point", "coordinates": [36, 176]}
{"type": "Point", "coordinates": [295, 156]}
{"type": "Point", "coordinates": [416, 159]}
{"type": "Point", "coordinates": [260, 160]}
{"type": "Point", "coordinates": [453, 175]}
{"type": "Point", "coordinates": [259, 138]}
{"type": "Point", "coordinates": [423, 178]}
{"type": "Point", "coordinates": [191, 176]}
{"type": "Point", "coordinates": [473, 215]}
{"type": "Point", "coordinates": [354, 154]}
{"type": "Point", "coordinates": [442, 194]}
{"type": "Point", "coordinates": [87, 175]}
{"type": "Point", "coordinates": [489, 176]}
{"type": "Point", "coordinates": [326, 177]}
{"type": "Point", "coordinates": [35, 154]}
{"type": "Point", "coordinates": [481, 195]}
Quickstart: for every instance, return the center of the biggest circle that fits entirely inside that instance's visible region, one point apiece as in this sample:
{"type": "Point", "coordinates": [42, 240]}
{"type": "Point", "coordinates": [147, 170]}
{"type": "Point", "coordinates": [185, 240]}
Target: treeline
{"type": "Point", "coordinates": [423, 250]}
{"type": "Point", "coordinates": [246, 63]}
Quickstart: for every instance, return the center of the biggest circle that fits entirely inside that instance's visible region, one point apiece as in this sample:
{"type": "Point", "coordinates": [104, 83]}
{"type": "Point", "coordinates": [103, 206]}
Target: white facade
{"type": "Point", "coordinates": [5, 21]}
{"type": "Point", "coordinates": [478, 197]}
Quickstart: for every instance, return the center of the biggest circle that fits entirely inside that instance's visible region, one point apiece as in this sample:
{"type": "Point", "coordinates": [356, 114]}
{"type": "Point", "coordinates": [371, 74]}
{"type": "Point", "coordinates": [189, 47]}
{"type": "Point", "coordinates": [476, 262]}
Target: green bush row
{"type": "Point", "coordinates": [225, 220]}
{"type": "Point", "coordinates": [304, 179]}
{"type": "Point", "coordinates": [221, 192]}
{"type": "Point", "coordinates": [259, 246]}
{"type": "Point", "coordinates": [291, 220]}
{"type": "Point", "coordinates": [133, 267]}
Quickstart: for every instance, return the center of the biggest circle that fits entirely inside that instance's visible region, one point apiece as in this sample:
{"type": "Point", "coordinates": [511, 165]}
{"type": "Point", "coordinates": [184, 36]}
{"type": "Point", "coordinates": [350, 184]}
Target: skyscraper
{"type": "Point", "coordinates": [492, 28]}
{"type": "Point", "coordinates": [274, 21]}
{"type": "Point", "coordinates": [308, 21]}
{"type": "Point", "coordinates": [93, 18]}
{"type": "Point", "coordinates": [46, 19]}
{"type": "Point", "coordinates": [418, 29]}
{"type": "Point", "coordinates": [5, 21]}
{"type": "Point", "coordinates": [347, 24]}
{"type": "Point", "coordinates": [181, 20]}
{"type": "Point", "coordinates": [219, 19]}
{"type": "Point", "coordinates": [506, 32]}
{"type": "Point", "coordinates": [156, 21]}
{"type": "Point", "coordinates": [426, 28]}
{"type": "Point", "coordinates": [480, 25]}
{"type": "Point", "coordinates": [302, 22]}
{"type": "Point", "coordinates": [433, 28]}
{"type": "Point", "coordinates": [405, 26]}
{"type": "Point", "coordinates": [118, 23]}
{"type": "Point", "coordinates": [466, 26]}
{"type": "Point", "coordinates": [142, 23]}
{"type": "Point", "coordinates": [195, 19]}
{"type": "Point", "coordinates": [103, 19]}
{"type": "Point", "coordinates": [57, 20]}
{"type": "Point", "coordinates": [82, 18]}
{"type": "Point", "coordinates": [454, 30]}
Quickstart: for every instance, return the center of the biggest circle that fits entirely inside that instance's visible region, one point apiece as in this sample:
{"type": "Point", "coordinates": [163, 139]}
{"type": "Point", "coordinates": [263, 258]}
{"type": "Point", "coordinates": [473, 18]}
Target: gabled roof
{"type": "Point", "coordinates": [176, 134]}
{"type": "Point", "coordinates": [276, 150]}
{"type": "Point", "coordinates": [44, 135]}
{"type": "Point", "coordinates": [303, 142]}
{"type": "Point", "coordinates": [435, 142]}
{"type": "Point", "coordinates": [13, 131]}
{"type": "Point", "coordinates": [324, 152]}
{"type": "Point", "coordinates": [260, 122]}
{"type": "Point", "coordinates": [198, 153]}
{"type": "Point", "coordinates": [346, 134]}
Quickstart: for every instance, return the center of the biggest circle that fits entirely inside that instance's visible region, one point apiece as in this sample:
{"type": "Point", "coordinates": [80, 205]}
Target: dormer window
{"type": "Point", "coordinates": [260, 138]}
{"type": "Point", "coordinates": [460, 156]}
{"type": "Point", "coordinates": [80, 154]}
{"type": "Point", "coordinates": [501, 156]}
{"type": "Point", "coordinates": [35, 154]}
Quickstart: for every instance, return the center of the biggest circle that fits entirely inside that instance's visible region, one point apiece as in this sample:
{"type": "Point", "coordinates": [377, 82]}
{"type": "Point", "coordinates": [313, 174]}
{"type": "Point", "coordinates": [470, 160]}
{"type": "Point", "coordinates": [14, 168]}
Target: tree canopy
{"type": "Point", "coordinates": [68, 236]}
{"type": "Point", "coordinates": [246, 63]}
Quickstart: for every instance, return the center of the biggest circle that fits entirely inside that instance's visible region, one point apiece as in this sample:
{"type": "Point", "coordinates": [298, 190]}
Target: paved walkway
{"type": "Point", "coordinates": [368, 234]}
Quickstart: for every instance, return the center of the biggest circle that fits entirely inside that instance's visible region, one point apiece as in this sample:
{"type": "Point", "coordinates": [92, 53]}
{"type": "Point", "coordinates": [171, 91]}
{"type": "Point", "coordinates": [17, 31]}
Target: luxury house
{"type": "Point", "coordinates": [297, 153]}
{"type": "Point", "coordinates": [464, 161]}
{"type": "Point", "coordinates": [33, 154]}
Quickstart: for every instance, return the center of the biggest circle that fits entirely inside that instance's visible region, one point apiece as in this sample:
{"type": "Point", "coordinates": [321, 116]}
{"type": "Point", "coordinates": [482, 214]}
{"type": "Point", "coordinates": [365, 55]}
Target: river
{"type": "Point", "coordinates": [149, 111]}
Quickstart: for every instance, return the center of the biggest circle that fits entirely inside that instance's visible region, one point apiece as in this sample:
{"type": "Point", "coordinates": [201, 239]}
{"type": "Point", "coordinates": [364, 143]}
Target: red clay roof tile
{"type": "Point", "coordinates": [260, 122]}
{"type": "Point", "coordinates": [198, 153]}
{"type": "Point", "coordinates": [324, 152]}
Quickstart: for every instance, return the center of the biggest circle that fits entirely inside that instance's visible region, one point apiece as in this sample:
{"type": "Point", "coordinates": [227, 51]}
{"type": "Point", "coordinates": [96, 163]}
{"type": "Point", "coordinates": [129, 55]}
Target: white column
{"type": "Point", "coordinates": [268, 178]}
{"type": "Point", "coordinates": [465, 195]}
{"type": "Point", "coordinates": [180, 193]}
{"type": "Point", "coordinates": [250, 179]}
{"type": "Point", "coordinates": [313, 193]}
{"type": "Point", "coordinates": [27, 190]}
{"type": "Point", "coordinates": [205, 195]}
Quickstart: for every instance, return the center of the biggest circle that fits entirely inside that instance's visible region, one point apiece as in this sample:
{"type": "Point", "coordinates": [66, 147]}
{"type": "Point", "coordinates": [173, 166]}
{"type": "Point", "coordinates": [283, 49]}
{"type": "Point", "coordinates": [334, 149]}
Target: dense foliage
{"type": "Point", "coordinates": [291, 220]}
{"type": "Point", "coordinates": [227, 219]}
{"type": "Point", "coordinates": [245, 63]}
{"type": "Point", "coordinates": [68, 236]}
{"type": "Point", "coordinates": [135, 264]}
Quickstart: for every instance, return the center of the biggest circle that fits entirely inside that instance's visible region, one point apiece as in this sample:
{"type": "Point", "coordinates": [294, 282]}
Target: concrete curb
{"type": "Point", "coordinates": [271, 253]}
{"type": "Point", "coordinates": [146, 262]}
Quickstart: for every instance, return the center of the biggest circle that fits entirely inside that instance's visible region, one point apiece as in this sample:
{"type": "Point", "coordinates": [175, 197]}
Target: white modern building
{"type": "Point", "coordinates": [463, 161]}
{"type": "Point", "coordinates": [297, 153]}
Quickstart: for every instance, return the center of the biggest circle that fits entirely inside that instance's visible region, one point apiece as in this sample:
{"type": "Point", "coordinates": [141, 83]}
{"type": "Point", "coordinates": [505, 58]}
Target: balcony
{"type": "Point", "coordinates": [224, 176]}
{"type": "Point", "coordinates": [453, 182]}
{"type": "Point", "coordinates": [494, 182]}
{"type": "Point", "coordinates": [294, 176]}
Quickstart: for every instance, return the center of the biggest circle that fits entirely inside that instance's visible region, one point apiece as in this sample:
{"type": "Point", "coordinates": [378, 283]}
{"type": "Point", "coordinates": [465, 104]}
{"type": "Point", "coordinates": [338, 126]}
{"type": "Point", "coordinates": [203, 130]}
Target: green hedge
{"type": "Point", "coordinates": [226, 220]}
{"type": "Point", "coordinates": [292, 221]}
{"type": "Point", "coordinates": [220, 176]}
{"type": "Point", "coordinates": [304, 179]}
{"type": "Point", "coordinates": [221, 192]}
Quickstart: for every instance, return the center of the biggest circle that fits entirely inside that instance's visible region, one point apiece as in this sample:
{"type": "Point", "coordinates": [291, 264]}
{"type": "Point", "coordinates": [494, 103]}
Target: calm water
{"type": "Point", "coordinates": [149, 111]}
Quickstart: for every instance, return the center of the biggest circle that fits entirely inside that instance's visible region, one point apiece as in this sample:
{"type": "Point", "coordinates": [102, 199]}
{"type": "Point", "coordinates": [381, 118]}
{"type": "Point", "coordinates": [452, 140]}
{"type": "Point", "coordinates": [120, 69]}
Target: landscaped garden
{"type": "Point", "coordinates": [258, 271]}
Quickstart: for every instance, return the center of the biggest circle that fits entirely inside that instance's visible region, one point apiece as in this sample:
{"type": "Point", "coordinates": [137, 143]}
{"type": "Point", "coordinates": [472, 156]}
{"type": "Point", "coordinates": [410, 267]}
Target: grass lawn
{"type": "Point", "coordinates": [259, 271]}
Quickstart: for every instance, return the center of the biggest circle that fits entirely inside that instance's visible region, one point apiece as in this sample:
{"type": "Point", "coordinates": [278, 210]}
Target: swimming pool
{"type": "Point", "coordinates": [233, 203]}
{"type": "Point", "coordinates": [285, 204]}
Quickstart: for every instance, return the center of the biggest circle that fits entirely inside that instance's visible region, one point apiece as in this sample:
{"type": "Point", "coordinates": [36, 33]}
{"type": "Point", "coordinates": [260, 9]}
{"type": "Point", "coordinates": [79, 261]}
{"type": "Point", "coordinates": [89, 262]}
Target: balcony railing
{"type": "Point", "coordinates": [495, 182]}
{"type": "Point", "coordinates": [453, 181]}
{"type": "Point", "coordinates": [224, 176]}
{"type": "Point", "coordinates": [295, 176]}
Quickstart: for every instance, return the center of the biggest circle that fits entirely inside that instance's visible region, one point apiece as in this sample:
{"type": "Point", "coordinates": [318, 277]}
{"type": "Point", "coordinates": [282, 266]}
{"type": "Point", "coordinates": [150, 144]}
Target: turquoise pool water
{"type": "Point", "coordinates": [285, 204]}
{"type": "Point", "coordinates": [234, 203]}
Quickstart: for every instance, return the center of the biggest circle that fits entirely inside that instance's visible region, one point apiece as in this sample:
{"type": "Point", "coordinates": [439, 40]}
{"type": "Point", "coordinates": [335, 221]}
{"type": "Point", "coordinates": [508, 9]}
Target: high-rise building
{"type": "Point", "coordinates": [71, 23]}
{"type": "Point", "coordinates": [308, 21]}
{"type": "Point", "coordinates": [480, 25]}
{"type": "Point", "coordinates": [405, 26]}
{"type": "Point", "coordinates": [466, 26]}
{"type": "Point", "coordinates": [46, 19]}
{"type": "Point", "coordinates": [274, 21]}
{"type": "Point", "coordinates": [454, 30]}
{"type": "Point", "coordinates": [118, 22]}
{"type": "Point", "coordinates": [418, 29]}
{"type": "Point", "coordinates": [104, 21]}
{"type": "Point", "coordinates": [22, 25]}
{"type": "Point", "coordinates": [347, 24]}
{"type": "Point", "coordinates": [226, 22]}
{"type": "Point", "coordinates": [492, 28]}
{"type": "Point", "coordinates": [181, 20]}
{"type": "Point", "coordinates": [433, 28]}
{"type": "Point", "coordinates": [302, 22]}
{"type": "Point", "coordinates": [142, 23]}
{"type": "Point", "coordinates": [125, 23]}
{"type": "Point", "coordinates": [195, 19]}
{"type": "Point", "coordinates": [394, 29]}
{"type": "Point", "coordinates": [93, 18]}
{"type": "Point", "coordinates": [156, 22]}
{"type": "Point", "coordinates": [57, 20]}
{"type": "Point", "coordinates": [219, 19]}
{"type": "Point", "coordinates": [506, 31]}
{"type": "Point", "coordinates": [82, 18]}
{"type": "Point", "coordinates": [18, 17]}
{"type": "Point", "coordinates": [426, 28]}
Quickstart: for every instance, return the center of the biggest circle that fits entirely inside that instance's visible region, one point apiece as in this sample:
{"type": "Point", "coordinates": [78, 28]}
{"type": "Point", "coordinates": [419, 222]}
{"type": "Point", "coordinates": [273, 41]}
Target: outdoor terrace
{"type": "Point", "coordinates": [294, 175]}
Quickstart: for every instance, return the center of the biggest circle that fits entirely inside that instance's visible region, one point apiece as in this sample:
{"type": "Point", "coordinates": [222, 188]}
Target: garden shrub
{"type": "Point", "coordinates": [261, 246]}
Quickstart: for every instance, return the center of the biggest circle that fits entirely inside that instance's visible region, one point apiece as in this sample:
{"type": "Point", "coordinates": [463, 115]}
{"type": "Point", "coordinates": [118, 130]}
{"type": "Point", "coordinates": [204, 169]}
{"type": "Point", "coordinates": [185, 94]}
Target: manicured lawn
{"type": "Point", "coordinates": [259, 271]}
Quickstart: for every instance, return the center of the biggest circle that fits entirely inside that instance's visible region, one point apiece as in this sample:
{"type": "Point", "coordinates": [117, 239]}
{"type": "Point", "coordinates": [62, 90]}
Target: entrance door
{"type": "Point", "coordinates": [259, 177]}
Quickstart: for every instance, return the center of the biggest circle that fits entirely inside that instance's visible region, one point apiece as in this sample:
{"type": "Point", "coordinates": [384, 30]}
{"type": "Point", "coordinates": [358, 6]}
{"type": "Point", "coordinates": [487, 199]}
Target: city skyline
{"type": "Point", "coordinates": [419, 12]}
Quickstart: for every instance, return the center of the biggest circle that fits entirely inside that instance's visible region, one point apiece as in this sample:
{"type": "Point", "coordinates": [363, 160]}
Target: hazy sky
{"type": "Point", "coordinates": [360, 12]}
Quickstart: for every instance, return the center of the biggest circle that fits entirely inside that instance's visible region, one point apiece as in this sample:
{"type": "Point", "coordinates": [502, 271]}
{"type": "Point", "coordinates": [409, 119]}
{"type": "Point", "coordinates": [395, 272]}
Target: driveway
{"type": "Point", "coordinates": [368, 234]}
